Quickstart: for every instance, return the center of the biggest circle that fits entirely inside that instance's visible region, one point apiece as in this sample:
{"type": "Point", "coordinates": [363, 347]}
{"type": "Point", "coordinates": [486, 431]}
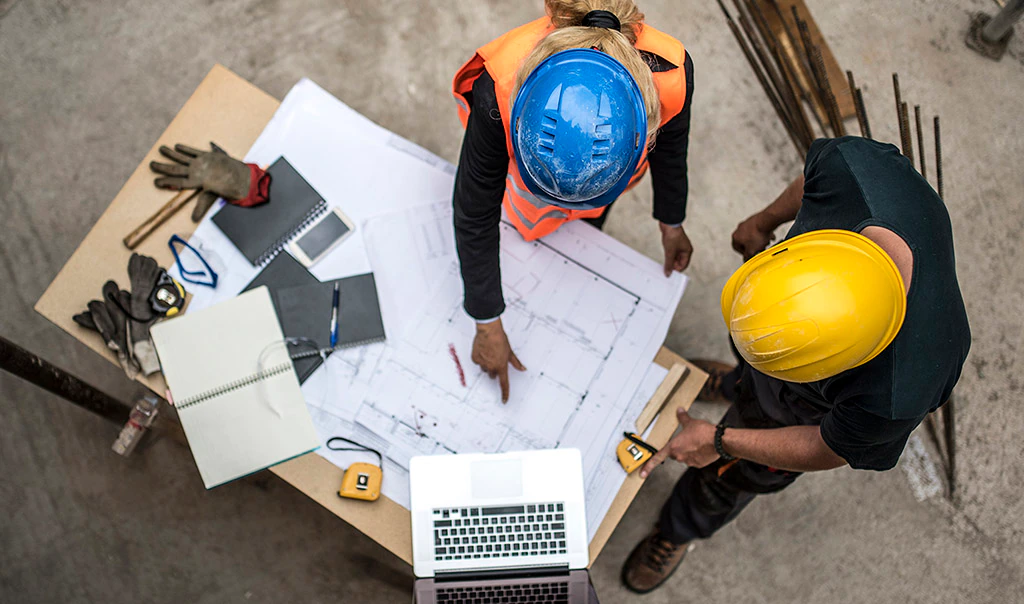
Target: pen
{"type": "Point", "coordinates": [334, 315]}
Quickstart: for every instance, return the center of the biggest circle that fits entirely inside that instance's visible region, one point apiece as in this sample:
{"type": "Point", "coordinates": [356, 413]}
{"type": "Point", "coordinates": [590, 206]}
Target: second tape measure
{"type": "Point", "coordinates": [361, 480]}
{"type": "Point", "coordinates": [168, 296]}
{"type": "Point", "coordinates": [633, 452]}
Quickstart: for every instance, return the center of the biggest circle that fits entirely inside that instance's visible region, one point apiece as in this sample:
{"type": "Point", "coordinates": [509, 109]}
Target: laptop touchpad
{"type": "Point", "coordinates": [494, 479]}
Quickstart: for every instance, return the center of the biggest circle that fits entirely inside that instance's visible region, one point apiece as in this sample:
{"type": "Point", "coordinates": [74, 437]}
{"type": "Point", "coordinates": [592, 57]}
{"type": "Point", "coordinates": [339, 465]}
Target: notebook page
{"type": "Point", "coordinates": [211, 348]}
{"type": "Point", "coordinates": [239, 433]}
{"type": "Point", "coordinates": [249, 424]}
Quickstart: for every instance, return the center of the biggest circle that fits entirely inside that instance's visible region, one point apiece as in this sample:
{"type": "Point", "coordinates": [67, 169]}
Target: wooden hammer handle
{"type": "Point", "coordinates": [169, 209]}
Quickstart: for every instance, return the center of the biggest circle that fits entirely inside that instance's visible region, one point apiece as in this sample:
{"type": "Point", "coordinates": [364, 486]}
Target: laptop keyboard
{"type": "Point", "coordinates": [499, 532]}
{"type": "Point", "coordinates": [533, 592]}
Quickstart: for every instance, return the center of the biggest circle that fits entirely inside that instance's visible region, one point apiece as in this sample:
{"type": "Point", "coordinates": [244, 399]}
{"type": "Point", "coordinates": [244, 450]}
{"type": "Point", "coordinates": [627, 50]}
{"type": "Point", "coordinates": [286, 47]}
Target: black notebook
{"type": "Point", "coordinates": [304, 307]}
{"type": "Point", "coordinates": [260, 232]}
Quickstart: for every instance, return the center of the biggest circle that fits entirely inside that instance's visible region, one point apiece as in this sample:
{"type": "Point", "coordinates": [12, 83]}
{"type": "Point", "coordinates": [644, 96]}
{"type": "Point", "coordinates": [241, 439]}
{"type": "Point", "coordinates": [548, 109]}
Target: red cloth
{"type": "Point", "coordinates": [259, 188]}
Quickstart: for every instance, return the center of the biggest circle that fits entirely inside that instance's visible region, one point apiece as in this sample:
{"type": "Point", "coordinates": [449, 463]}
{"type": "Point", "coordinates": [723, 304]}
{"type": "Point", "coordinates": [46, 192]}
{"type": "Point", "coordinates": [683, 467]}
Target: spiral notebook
{"type": "Point", "coordinates": [237, 419]}
{"type": "Point", "coordinates": [304, 309]}
{"type": "Point", "coordinates": [261, 232]}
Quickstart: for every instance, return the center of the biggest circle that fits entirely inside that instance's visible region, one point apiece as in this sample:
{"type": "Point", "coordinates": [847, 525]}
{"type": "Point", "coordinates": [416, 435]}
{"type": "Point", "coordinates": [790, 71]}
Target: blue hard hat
{"type": "Point", "coordinates": [579, 128]}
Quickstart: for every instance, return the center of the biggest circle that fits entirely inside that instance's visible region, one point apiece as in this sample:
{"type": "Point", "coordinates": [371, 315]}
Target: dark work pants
{"type": "Point", "coordinates": [706, 499]}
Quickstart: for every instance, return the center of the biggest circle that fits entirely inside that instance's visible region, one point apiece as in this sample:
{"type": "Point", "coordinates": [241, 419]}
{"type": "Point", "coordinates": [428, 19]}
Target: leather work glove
{"type": "Point", "coordinates": [106, 317]}
{"type": "Point", "coordinates": [216, 173]}
{"type": "Point", "coordinates": [143, 272]}
{"type": "Point", "coordinates": [123, 318]}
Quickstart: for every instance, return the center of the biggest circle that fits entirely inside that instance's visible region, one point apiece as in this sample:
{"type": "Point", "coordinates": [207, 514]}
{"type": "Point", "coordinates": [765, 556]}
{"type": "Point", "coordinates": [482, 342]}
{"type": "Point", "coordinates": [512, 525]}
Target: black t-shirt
{"type": "Point", "coordinates": [480, 186]}
{"type": "Point", "coordinates": [868, 412]}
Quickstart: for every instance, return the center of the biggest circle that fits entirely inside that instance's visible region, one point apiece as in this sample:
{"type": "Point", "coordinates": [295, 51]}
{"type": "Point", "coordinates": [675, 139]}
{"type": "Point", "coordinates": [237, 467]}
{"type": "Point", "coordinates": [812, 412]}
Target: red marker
{"type": "Point", "coordinates": [458, 364]}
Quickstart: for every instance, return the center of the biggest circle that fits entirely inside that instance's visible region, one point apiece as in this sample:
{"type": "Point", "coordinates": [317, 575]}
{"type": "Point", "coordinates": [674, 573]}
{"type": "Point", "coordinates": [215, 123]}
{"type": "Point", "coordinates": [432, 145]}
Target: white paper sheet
{"type": "Point", "coordinates": [579, 315]}
{"type": "Point", "coordinates": [586, 314]}
{"type": "Point", "coordinates": [353, 163]}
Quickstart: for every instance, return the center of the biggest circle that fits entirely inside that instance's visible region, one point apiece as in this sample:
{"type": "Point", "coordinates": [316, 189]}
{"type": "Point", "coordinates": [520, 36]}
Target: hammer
{"type": "Point", "coordinates": [169, 209]}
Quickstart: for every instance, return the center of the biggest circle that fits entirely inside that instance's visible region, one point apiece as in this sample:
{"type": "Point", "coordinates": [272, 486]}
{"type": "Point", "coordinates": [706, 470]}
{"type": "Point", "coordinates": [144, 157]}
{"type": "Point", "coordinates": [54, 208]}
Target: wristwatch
{"type": "Point", "coordinates": [719, 432]}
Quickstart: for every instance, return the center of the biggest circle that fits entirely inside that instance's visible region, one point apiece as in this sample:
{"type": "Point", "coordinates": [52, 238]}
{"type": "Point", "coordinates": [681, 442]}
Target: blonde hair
{"type": "Point", "coordinates": [567, 16]}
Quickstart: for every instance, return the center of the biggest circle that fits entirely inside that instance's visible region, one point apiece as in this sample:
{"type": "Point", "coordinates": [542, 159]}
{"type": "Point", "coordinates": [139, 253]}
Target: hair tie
{"type": "Point", "coordinates": [601, 18]}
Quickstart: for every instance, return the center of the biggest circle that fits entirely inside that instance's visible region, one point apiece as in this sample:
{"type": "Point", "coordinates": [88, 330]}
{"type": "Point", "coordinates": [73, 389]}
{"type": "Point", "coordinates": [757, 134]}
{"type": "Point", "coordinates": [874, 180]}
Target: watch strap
{"type": "Point", "coordinates": [719, 433]}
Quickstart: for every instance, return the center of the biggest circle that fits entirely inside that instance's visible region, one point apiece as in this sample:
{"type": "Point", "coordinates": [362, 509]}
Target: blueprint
{"type": "Point", "coordinates": [585, 313]}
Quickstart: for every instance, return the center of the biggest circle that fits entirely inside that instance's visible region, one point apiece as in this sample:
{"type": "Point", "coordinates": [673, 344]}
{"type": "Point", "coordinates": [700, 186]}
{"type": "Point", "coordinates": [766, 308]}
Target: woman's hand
{"type": "Point", "coordinates": [493, 353]}
{"type": "Point", "coordinates": [678, 248]}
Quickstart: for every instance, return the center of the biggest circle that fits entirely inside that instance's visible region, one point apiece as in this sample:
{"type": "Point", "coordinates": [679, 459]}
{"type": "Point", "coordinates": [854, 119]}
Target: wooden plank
{"type": "Point", "coordinates": [663, 430]}
{"type": "Point", "coordinates": [836, 75]}
{"type": "Point", "coordinates": [661, 396]}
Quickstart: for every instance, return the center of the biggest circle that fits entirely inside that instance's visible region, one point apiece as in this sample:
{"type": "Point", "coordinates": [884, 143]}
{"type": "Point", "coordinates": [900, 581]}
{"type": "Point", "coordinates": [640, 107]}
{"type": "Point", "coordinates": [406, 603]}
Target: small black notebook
{"type": "Point", "coordinates": [260, 232]}
{"type": "Point", "coordinates": [304, 307]}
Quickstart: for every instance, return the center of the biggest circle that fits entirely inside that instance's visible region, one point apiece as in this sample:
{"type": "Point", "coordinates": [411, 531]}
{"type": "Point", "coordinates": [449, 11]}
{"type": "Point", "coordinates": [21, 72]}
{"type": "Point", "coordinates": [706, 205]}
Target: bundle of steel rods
{"type": "Point", "coordinates": [791, 71]}
{"type": "Point", "coordinates": [906, 130]}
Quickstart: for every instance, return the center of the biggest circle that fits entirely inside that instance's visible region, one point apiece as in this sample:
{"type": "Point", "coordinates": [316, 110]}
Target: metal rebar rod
{"type": "Point", "coordinates": [32, 368]}
{"type": "Point", "coordinates": [863, 110]}
{"type": "Point", "coordinates": [949, 423]}
{"type": "Point", "coordinates": [856, 106]}
{"type": "Point", "coordinates": [1002, 23]}
{"type": "Point", "coordinates": [760, 77]}
{"type": "Point", "coordinates": [789, 32]}
{"type": "Point", "coordinates": [773, 77]}
{"type": "Point", "coordinates": [802, 43]}
{"type": "Point", "coordinates": [827, 95]}
{"type": "Point", "coordinates": [899, 113]}
{"type": "Point", "coordinates": [932, 426]}
{"type": "Point", "coordinates": [920, 141]}
{"type": "Point", "coordinates": [808, 51]}
{"type": "Point", "coordinates": [787, 80]}
{"type": "Point", "coordinates": [938, 159]}
{"type": "Point", "coordinates": [824, 89]}
{"type": "Point", "coordinates": [908, 141]}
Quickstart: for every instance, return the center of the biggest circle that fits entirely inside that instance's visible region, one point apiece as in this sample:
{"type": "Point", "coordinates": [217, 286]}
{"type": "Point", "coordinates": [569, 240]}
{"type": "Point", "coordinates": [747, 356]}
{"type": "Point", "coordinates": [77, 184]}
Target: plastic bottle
{"type": "Point", "coordinates": [141, 417]}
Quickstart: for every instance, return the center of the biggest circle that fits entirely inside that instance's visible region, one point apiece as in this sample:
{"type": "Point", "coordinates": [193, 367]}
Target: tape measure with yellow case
{"type": "Point", "coordinates": [361, 480]}
{"type": "Point", "coordinates": [633, 452]}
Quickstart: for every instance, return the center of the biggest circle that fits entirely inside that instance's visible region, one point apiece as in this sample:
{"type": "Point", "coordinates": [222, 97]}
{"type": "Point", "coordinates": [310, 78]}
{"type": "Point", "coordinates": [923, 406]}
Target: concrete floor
{"type": "Point", "coordinates": [87, 87]}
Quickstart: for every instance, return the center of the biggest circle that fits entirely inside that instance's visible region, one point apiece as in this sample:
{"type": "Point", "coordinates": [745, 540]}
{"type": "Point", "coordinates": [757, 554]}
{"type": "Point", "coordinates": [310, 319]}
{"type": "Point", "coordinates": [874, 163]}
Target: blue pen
{"type": "Point", "coordinates": [334, 315]}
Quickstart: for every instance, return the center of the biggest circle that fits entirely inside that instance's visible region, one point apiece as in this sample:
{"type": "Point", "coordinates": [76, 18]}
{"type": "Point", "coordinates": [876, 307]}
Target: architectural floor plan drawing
{"type": "Point", "coordinates": [586, 337]}
{"type": "Point", "coordinates": [586, 314]}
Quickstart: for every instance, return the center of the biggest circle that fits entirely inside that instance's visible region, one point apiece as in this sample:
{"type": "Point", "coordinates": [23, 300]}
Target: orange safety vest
{"type": "Point", "coordinates": [532, 217]}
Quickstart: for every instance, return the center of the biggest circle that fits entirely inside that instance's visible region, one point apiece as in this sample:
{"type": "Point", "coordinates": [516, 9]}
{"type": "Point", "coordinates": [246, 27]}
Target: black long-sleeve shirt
{"type": "Point", "coordinates": [480, 186]}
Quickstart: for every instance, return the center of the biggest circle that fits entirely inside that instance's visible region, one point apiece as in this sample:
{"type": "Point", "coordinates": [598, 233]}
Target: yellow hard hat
{"type": "Point", "coordinates": [814, 305]}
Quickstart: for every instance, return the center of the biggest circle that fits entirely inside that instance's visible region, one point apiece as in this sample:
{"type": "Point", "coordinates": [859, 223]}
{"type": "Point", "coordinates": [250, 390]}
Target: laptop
{"type": "Point", "coordinates": [507, 527]}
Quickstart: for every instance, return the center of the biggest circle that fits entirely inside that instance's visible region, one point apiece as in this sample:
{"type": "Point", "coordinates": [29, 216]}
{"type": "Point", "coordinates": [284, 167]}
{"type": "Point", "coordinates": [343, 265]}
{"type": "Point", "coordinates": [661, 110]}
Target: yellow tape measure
{"type": "Point", "coordinates": [633, 453]}
{"type": "Point", "coordinates": [361, 480]}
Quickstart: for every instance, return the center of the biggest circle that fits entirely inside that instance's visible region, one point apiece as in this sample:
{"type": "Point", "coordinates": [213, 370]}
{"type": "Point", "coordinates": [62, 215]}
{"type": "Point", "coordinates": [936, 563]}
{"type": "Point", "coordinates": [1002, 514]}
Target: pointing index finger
{"type": "Point", "coordinates": [503, 380]}
{"type": "Point", "coordinates": [655, 461]}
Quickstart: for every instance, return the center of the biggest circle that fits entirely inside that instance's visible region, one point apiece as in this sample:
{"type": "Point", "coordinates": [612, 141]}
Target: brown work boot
{"type": "Point", "coordinates": [651, 563]}
{"type": "Point", "coordinates": [712, 390]}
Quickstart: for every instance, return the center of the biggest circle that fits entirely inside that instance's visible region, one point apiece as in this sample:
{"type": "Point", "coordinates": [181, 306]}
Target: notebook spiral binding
{"type": "Point", "coordinates": [318, 210]}
{"type": "Point", "coordinates": [242, 383]}
{"type": "Point", "coordinates": [305, 354]}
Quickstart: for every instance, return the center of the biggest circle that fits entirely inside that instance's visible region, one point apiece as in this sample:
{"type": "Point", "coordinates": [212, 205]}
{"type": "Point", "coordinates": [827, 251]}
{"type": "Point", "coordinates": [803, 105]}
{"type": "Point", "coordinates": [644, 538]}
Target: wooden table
{"type": "Point", "coordinates": [227, 109]}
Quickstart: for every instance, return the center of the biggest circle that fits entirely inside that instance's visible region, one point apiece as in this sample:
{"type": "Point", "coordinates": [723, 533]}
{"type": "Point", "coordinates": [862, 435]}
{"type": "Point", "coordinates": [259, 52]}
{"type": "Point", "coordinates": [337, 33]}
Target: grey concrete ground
{"type": "Point", "coordinates": [86, 87]}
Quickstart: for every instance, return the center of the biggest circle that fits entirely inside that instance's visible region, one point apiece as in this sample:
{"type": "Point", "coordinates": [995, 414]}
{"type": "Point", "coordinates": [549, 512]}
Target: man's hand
{"type": "Point", "coordinates": [753, 235]}
{"type": "Point", "coordinates": [678, 248]}
{"type": "Point", "coordinates": [694, 445]}
{"type": "Point", "coordinates": [493, 353]}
